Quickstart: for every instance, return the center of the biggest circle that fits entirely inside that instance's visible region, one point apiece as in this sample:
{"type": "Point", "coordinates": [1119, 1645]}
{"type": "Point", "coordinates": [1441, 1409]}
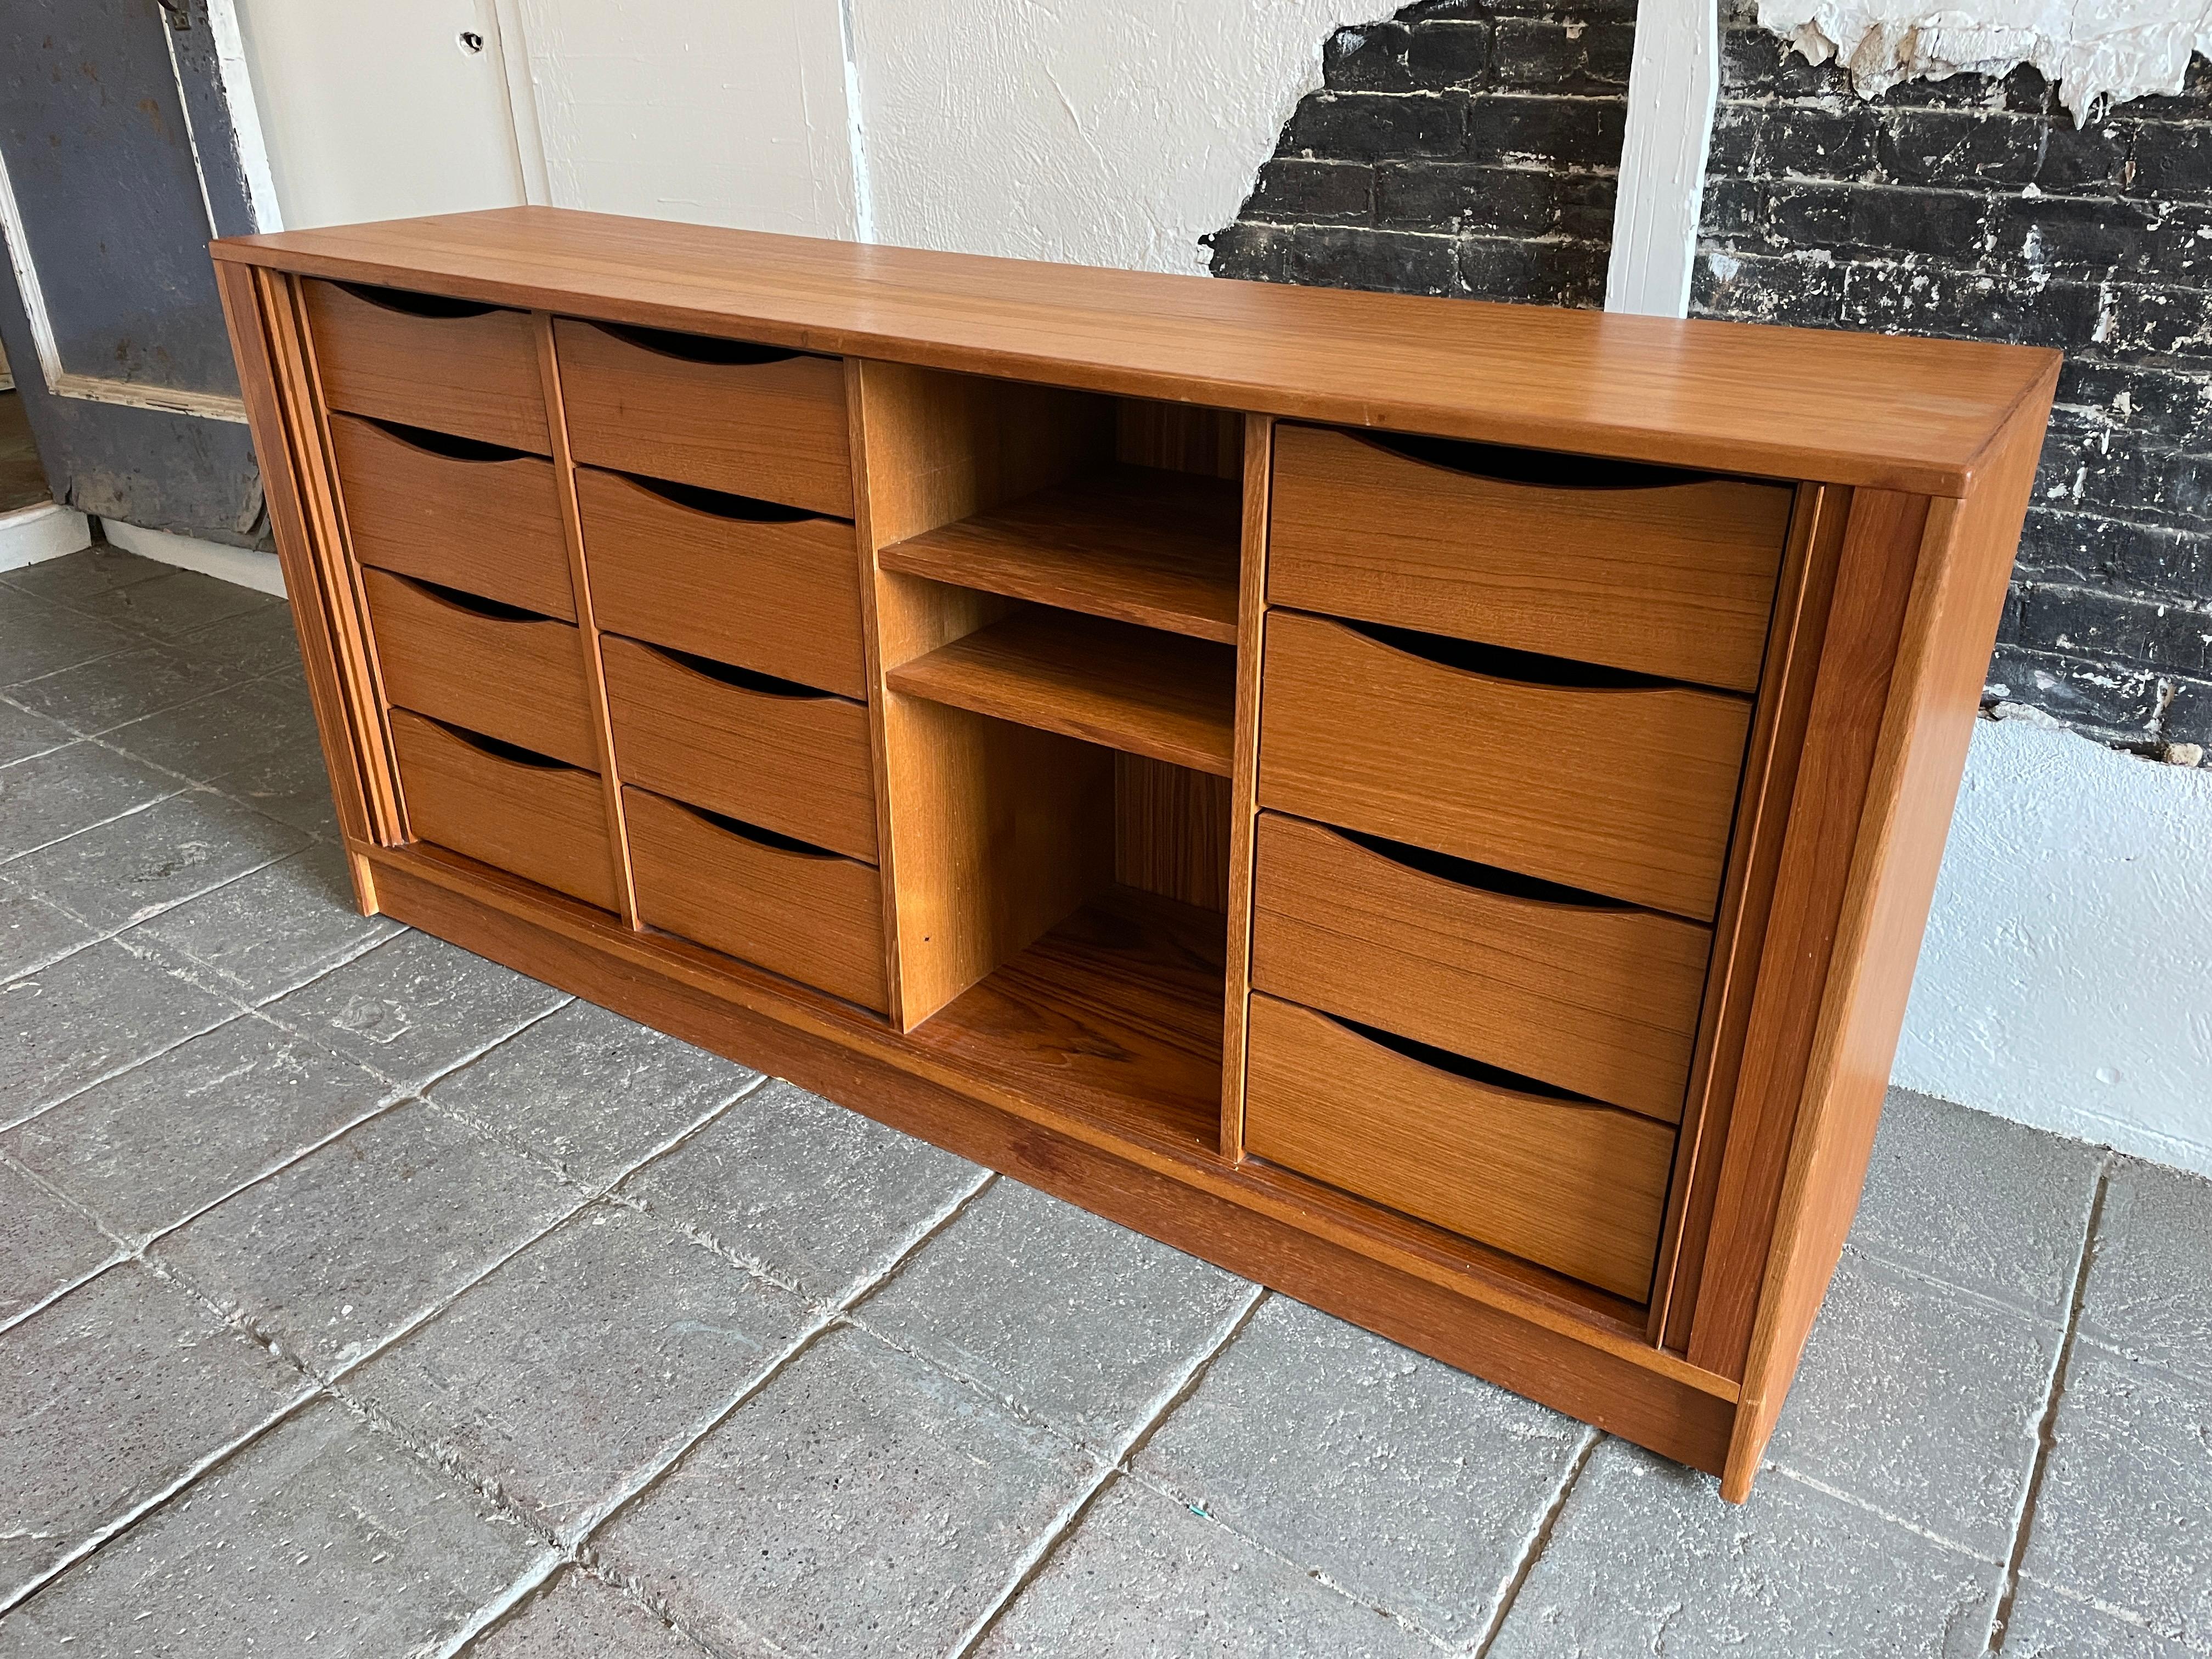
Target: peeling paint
{"type": "Point", "coordinates": [2089, 49]}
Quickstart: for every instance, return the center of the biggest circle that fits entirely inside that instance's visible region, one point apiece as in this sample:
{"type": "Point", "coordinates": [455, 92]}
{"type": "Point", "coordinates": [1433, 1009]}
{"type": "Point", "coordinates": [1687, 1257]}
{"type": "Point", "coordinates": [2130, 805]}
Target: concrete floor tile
{"type": "Point", "coordinates": [578, 1618]}
{"type": "Point", "coordinates": [1646, 1558]}
{"type": "Point", "coordinates": [259, 641]}
{"type": "Point", "coordinates": [2122, 1515]}
{"type": "Point", "coordinates": [23, 734]}
{"type": "Point", "coordinates": [270, 932]}
{"type": "Point", "coordinates": [33, 932]}
{"type": "Point", "coordinates": [1412, 1484]}
{"type": "Point", "coordinates": [39, 638]}
{"type": "Point", "coordinates": [1143, 1575]}
{"type": "Point", "coordinates": [415, 1007]}
{"type": "Point", "coordinates": [323, 1540]}
{"type": "Point", "coordinates": [1978, 1201]}
{"type": "Point", "coordinates": [75, 576]}
{"type": "Point", "coordinates": [44, 1244]}
{"type": "Point", "coordinates": [103, 694]}
{"type": "Point", "coordinates": [221, 733]}
{"type": "Point", "coordinates": [289, 785]}
{"type": "Point", "coordinates": [334, 1254]}
{"type": "Point", "coordinates": [2148, 1293]}
{"type": "Point", "coordinates": [819, 1197]}
{"type": "Point", "coordinates": [73, 1021]}
{"type": "Point", "coordinates": [593, 1353]}
{"type": "Point", "coordinates": [2045, 1624]}
{"type": "Point", "coordinates": [141, 865]}
{"type": "Point", "coordinates": [107, 1396]}
{"type": "Point", "coordinates": [1921, 1402]}
{"type": "Point", "coordinates": [590, 1090]}
{"type": "Point", "coordinates": [1077, 1320]}
{"type": "Point", "coordinates": [72, 788]}
{"type": "Point", "coordinates": [175, 603]}
{"type": "Point", "coordinates": [861, 1502]}
{"type": "Point", "coordinates": [145, 1150]}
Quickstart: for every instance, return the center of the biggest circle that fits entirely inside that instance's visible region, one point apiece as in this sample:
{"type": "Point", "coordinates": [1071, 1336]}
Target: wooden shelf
{"type": "Point", "coordinates": [1135, 689]}
{"type": "Point", "coordinates": [1136, 543]}
{"type": "Point", "coordinates": [1116, 1012]}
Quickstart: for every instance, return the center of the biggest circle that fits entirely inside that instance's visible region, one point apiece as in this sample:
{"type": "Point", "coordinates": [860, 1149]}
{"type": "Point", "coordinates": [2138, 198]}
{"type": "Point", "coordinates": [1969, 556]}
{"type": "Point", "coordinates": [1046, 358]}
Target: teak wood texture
{"type": "Point", "coordinates": [1430, 805]}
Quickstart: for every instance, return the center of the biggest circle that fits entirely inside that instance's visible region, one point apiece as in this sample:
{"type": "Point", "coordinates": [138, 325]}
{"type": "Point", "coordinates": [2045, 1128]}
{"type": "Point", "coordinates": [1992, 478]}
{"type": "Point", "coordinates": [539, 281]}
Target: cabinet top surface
{"type": "Point", "coordinates": [1900, 413]}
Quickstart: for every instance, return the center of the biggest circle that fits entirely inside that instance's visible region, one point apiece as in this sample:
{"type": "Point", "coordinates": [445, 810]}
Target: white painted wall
{"type": "Point", "coordinates": [375, 112]}
{"type": "Point", "coordinates": [2067, 977]}
{"type": "Point", "coordinates": [1113, 135]}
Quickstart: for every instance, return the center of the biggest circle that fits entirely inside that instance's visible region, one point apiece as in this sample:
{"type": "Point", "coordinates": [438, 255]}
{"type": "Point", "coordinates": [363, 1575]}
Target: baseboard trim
{"type": "Point", "coordinates": [242, 565]}
{"type": "Point", "coordinates": [32, 535]}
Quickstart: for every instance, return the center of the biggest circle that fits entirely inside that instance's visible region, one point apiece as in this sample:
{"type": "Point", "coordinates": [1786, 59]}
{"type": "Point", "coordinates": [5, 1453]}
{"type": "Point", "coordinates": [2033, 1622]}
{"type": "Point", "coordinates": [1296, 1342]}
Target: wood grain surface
{"type": "Point", "coordinates": [475, 377]}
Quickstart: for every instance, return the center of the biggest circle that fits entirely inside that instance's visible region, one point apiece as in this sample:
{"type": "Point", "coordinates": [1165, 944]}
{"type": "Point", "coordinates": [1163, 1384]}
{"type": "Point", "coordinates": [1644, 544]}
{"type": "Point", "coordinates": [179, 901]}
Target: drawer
{"type": "Point", "coordinates": [769, 588]}
{"type": "Point", "coordinates": [447, 365]}
{"type": "Point", "coordinates": [482, 666]}
{"type": "Point", "coordinates": [781, 756]}
{"type": "Point", "coordinates": [796, 910]}
{"type": "Point", "coordinates": [471, 515]}
{"type": "Point", "coordinates": [1588, 777]}
{"type": "Point", "coordinates": [1579, 991]}
{"type": "Point", "coordinates": [751, 420]}
{"type": "Point", "coordinates": [522, 812]}
{"type": "Point", "coordinates": [1637, 567]}
{"type": "Point", "coordinates": [1578, 1188]}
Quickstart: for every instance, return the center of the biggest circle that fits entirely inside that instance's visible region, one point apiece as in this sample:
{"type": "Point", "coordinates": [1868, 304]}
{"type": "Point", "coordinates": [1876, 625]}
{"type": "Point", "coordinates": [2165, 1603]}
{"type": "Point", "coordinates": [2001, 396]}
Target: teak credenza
{"type": "Point", "coordinates": [1428, 805]}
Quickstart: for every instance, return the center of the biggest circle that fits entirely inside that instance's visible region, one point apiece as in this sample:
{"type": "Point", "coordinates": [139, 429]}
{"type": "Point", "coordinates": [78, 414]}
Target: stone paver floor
{"type": "Point", "coordinates": [360, 1297]}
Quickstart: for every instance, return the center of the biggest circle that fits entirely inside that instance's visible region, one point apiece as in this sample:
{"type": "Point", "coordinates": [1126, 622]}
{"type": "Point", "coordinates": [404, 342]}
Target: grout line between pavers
{"type": "Point", "coordinates": [2130, 1617]}
{"type": "Point", "coordinates": [1532, 1548]}
{"type": "Point", "coordinates": [525, 1585]}
{"type": "Point", "coordinates": [2047, 1422]}
{"type": "Point", "coordinates": [116, 1260]}
{"type": "Point", "coordinates": [1905, 1523]}
{"type": "Point", "coordinates": [116, 1526]}
{"type": "Point", "coordinates": [1953, 1290]}
{"type": "Point", "coordinates": [1070, 1516]}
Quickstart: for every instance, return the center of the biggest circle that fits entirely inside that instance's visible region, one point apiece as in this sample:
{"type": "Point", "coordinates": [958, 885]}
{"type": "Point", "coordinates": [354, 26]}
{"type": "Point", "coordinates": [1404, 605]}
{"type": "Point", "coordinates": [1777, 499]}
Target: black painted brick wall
{"type": "Point", "coordinates": [1975, 207]}
{"type": "Point", "coordinates": [1465, 147]}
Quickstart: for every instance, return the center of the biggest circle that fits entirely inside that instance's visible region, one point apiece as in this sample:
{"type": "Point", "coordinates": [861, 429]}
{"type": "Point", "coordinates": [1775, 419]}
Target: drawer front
{"type": "Point", "coordinates": [443, 365]}
{"type": "Point", "coordinates": [807, 914]}
{"type": "Point", "coordinates": [1627, 792]}
{"type": "Point", "coordinates": [486, 668]}
{"type": "Point", "coordinates": [1580, 1189]}
{"type": "Point", "coordinates": [1595, 997]}
{"type": "Point", "coordinates": [775, 754]}
{"type": "Point", "coordinates": [746, 419]}
{"type": "Point", "coordinates": [473, 516]}
{"type": "Point", "coordinates": [779, 595]}
{"type": "Point", "coordinates": [540, 820]}
{"type": "Point", "coordinates": [1676, 581]}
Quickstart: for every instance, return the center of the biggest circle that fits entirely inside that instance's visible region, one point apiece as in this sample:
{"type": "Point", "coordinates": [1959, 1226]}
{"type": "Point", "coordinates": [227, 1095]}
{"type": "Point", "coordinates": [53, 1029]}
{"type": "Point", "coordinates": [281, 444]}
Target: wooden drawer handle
{"type": "Point", "coordinates": [475, 604]}
{"type": "Point", "coordinates": [697, 348]}
{"type": "Point", "coordinates": [411, 304]}
{"type": "Point", "coordinates": [743, 679]}
{"type": "Point", "coordinates": [1483, 877]}
{"type": "Point", "coordinates": [1499, 662]}
{"type": "Point", "coordinates": [1444, 1060]}
{"type": "Point", "coordinates": [1541, 468]}
{"type": "Point", "coordinates": [444, 445]}
{"type": "Point", "coordinates": [768, 838]}
{"type": "Point", "coordinates": [721, 504]}
{"type": "Point", "coordinates": [500, 749]}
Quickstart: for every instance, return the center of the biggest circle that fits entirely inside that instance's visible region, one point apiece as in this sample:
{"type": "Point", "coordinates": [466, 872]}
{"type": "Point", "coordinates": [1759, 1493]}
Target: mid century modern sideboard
{"type": "Point", "coordinates": [1430, 805]}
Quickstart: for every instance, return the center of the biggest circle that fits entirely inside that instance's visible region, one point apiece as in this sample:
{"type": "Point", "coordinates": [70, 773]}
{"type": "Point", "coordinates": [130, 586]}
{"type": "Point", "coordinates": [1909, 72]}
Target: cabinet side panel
{"type": "Point", "coordinates": [277, 376]}
{"type": "Point", "coordinates": [1941, 663]}
{"type": "Point", "coordinates": [1881, 547]}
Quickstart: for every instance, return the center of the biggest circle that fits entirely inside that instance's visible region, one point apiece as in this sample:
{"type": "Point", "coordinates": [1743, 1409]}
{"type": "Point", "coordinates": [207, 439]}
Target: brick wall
{"type": "Point", "coordinates": [1975, 207]}
{"type": "Point", "coordinates": [1462, 147]}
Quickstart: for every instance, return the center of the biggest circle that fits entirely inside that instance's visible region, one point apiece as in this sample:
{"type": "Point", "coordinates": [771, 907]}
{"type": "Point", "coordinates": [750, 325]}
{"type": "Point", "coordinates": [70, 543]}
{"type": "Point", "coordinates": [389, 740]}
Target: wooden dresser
{"type": "Point", "coordinates": [1430, 805]}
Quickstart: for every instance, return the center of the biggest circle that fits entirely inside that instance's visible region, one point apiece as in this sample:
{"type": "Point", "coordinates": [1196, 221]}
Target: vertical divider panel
{"type": "Point", "coordinates": [572, 528]}
{"type": "Point", "coordinates": [866, 544]}
{"type": "Point", "coordinates": [277, 377]}
{"type": "Point", "coordinates": [1785, 690]}
{"type": "Point", "coordinates": [1244, 773]}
